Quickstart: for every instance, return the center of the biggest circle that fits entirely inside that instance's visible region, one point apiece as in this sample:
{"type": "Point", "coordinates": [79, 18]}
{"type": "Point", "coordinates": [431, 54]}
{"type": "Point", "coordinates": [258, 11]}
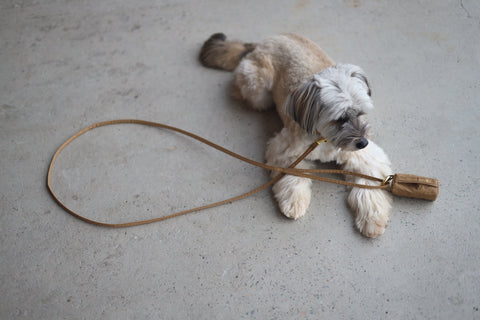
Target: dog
{"type": "Point", "coordinates": [314, 97]}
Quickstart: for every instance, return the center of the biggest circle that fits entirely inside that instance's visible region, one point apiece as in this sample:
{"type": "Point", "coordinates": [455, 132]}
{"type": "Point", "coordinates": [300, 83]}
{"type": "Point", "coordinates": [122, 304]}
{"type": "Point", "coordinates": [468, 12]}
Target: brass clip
{"type": "Point", "coordinates": [387, 179]}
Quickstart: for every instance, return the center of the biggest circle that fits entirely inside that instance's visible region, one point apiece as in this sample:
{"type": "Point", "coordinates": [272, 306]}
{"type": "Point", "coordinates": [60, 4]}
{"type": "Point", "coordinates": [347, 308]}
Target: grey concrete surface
{"type": "Point", "coordinates": [67, 64]}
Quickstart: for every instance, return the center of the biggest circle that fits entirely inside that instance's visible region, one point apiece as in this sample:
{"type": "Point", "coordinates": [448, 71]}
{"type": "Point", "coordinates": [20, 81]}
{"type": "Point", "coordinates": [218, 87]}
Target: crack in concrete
{"type": "Point", "coordinates": [465, 9]}
{"type": "Point", "coordinates": [469, 16]}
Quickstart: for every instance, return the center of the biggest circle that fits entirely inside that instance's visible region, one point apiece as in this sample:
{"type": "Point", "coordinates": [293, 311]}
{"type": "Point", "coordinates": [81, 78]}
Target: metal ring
{"type": "Point", "coordinates": [387, 179]}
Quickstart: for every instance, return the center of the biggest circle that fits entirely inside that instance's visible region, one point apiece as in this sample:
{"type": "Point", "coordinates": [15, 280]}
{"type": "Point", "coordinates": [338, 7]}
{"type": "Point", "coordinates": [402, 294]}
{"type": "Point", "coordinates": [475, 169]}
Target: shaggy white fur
{"type": "Point", "coordinates": [314, 97]}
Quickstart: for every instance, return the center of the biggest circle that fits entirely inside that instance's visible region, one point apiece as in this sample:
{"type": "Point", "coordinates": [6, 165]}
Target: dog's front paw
{"type": "Point", "coordinates": [372, 227]}
{"type": "Point", "coordinates": [371, 209]}
{"type": "Point", "coordinates": [293, 196]}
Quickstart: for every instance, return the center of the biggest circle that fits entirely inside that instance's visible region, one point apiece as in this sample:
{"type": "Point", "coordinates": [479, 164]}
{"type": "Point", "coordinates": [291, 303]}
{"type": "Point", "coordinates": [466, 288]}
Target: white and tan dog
{"type": "Point", "coordinates": [315, 98]}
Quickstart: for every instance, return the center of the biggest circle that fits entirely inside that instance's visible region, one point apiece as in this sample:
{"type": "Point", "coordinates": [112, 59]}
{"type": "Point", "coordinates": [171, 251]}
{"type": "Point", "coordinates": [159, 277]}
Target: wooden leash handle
{"type": "Point", "coordinates": [305, 173]}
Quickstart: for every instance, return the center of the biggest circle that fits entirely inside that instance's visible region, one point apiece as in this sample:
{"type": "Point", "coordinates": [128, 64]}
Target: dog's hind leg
{"type": "Point", "coordinates": [371, 206]}
{"type": "Point", "coordinates": [292, 193]}
{"type": "Point", "coordinates": [253, 81]}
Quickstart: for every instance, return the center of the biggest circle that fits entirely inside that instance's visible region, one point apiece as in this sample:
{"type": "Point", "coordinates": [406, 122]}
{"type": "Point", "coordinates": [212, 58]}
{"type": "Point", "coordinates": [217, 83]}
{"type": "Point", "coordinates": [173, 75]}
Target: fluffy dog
{"type": "Point", "coordinates": [315, 98]}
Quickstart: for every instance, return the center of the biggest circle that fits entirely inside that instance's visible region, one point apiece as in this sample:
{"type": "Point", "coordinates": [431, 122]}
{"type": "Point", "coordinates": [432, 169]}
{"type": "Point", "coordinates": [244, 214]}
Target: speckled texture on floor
{"type": "Point", "coordinates": [67, 64]}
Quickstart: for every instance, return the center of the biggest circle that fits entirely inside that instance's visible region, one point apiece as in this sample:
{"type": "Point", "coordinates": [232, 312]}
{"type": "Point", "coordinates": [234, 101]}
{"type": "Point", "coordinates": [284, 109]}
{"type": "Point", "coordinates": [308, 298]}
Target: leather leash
{"type": "Point", "coordinates": [291, 170]}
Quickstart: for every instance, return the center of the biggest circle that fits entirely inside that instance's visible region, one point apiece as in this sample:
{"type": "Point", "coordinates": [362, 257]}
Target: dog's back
{"type": "Point", "coordinates": [294, 55]}
{"type": "Point", "coordinates": [265, 73]}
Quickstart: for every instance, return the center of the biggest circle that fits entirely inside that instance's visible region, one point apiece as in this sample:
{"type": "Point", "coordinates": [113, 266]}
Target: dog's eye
{"type": "Point", "coordinates": [342, 120]}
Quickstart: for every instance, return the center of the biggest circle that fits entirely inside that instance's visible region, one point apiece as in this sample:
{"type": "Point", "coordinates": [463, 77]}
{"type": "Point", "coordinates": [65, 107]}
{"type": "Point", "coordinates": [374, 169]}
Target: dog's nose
{"type": "Point", "coordinates": [362, 143]}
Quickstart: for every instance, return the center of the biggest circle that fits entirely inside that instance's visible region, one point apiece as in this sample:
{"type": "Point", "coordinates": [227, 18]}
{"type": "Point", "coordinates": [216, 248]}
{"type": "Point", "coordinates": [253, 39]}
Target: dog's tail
{"type": "Point", "coordinates": [218, 52]}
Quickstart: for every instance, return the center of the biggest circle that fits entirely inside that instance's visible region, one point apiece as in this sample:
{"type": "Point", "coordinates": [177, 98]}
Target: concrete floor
{"type": "Point", "coordinates": [67, 64]}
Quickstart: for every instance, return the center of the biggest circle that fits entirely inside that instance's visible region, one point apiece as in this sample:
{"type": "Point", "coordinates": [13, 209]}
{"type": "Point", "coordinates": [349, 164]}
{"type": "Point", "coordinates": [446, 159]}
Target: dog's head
{"type": "Point", "coordinates": [331, 104]}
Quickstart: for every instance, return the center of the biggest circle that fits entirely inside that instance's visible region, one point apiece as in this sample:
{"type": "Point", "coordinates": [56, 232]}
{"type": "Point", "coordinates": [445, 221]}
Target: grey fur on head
{"type": "Point", "coordinates": [332, 103]}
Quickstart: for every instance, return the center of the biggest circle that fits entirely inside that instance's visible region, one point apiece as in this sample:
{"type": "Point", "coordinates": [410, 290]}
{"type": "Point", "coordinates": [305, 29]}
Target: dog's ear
{"type": "Point", "coordinates": [355, 72]}
{"type": "Point", "coordinates": [304, 105]}
{"type": "Point", "coordinates": [359, 74]}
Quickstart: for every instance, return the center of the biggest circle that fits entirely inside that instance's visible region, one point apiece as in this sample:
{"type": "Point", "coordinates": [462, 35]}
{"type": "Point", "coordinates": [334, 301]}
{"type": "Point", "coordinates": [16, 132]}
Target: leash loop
{"type": "Point", "coordinates": [291, 170]}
